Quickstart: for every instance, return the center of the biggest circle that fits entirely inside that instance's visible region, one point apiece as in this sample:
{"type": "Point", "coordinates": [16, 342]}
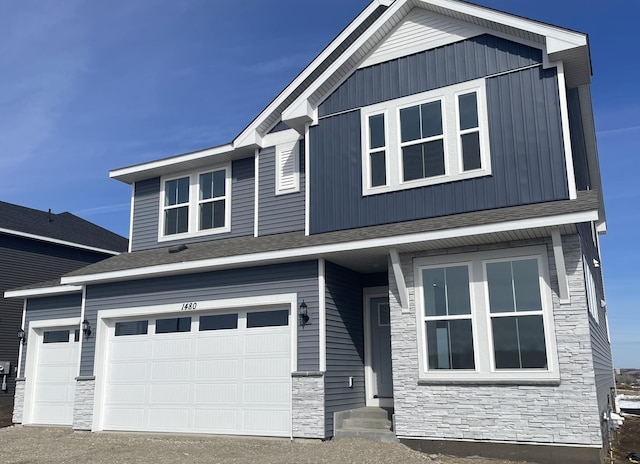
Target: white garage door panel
{"type": "Point", "coordinates": [54, 386]}
{"type": "Point", "coordinates": [231, 381]}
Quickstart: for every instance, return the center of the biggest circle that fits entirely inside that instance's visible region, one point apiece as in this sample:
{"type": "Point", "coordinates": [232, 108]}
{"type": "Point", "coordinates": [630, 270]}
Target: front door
{"type": "Point", "coordinates": [379, 379]}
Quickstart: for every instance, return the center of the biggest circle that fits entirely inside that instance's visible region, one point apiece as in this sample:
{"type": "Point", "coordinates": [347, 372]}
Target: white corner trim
{"type": "Point", "coordinates": [566, 133]}
{"type": "Point", "coordinates": [256, 191]}
{"type": "Point", "coordinates": [47, 291]}
{"type": "Point", "coordinates": [83, 305]}
{"type": "Point", "coordinates": [403, 292]}
{"type": "Point", "coordinates": [558, 256]}
{"type": "Point", "coordinates": [21, 349]}
{"type": "Point", "coordinates": [133, 198]}
{"type": "Point", "coordinates": [57, 241]}
{"type": "Point", "coordinates": [318, 250]}
{"type": "Point", "coordinates": [307, 189]}
{"type": "Point", "coordinates": [322, 316]}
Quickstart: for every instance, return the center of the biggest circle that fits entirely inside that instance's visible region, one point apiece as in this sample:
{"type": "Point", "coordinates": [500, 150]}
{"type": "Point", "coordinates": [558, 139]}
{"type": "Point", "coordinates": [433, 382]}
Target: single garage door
{"type": "Point", "coordinates": [56, 371]}
{"type": "Point", "coordinates": [211, 373]}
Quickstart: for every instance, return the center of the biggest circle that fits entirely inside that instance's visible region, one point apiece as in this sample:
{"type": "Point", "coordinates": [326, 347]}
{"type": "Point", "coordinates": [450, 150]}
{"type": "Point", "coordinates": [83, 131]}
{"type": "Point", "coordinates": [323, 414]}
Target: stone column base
{"type": "Point", "coordinates": [18, 401]}
{"type": "Point", "coordinates": [83, 404]}
{"type": "Point", "coordinates": [307, 405]}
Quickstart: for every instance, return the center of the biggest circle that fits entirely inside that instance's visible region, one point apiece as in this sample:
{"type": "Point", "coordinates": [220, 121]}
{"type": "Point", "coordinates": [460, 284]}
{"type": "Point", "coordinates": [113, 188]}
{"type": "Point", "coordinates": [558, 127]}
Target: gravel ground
{"type": "Point", "coordinates": [56, 445]}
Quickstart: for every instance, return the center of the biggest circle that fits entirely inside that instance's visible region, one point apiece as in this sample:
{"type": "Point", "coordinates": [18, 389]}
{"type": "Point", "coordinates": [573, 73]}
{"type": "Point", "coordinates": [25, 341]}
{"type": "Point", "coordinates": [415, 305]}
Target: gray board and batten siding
{"type": "Point", "coordinates": [49, 308]}
{"type": "Point", "coordinates": [278, 213]}
{"type": "Point", "coordinates": [300, 278]}
{"type": "Point", "coordinates": [600, 345]}
{"type": "Point", "coordinates": [345, 342]}
{"type": "Point", "coordinates": [578, 144]}
{"type": "Point", "coordinates": [525, 132]}
{"type": "Point", "coordinates": [146, 209]}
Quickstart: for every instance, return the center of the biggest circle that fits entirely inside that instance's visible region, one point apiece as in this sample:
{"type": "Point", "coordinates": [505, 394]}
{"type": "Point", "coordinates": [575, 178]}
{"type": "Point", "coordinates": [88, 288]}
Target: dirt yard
{"type": "Point", "coordinates": [6, 411]}
{"type": "Point", "coordinates": [628, 440]}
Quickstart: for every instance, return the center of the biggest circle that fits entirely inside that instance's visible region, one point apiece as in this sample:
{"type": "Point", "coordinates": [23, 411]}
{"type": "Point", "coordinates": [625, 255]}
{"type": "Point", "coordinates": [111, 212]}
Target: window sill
{"type": "Point", "coordinates": [417, 183]}
{"type": "Point", "coordinates": [202, 233]}
{"type": "Point", "coordinates": [546, 381]}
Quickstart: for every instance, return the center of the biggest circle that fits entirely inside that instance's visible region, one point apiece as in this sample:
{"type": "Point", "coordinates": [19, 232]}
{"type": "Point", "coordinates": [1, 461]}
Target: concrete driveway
{"type": "Point", "coordinates": [52, 445]}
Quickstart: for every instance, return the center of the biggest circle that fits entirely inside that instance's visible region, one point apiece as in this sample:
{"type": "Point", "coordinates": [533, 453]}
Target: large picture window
{"type": "Point", "coordinates": [485, 316]}
{"type": "Point", "coordinates": [424, 139]}
{"type": "Point", "coordinates": [196, 204]}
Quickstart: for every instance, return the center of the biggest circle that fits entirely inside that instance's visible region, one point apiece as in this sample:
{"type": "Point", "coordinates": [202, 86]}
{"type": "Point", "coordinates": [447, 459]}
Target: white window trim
{"type": "Point", "coordinates": [481, 320]}
{"type": "Point", "coordinates": [194, 203]}
{"type": "Point", "coordinates": [593, 302]}
{"type": "Point", "coordinates": [281, 148]}
{"type": "Point", "coordinates": [450, 126]}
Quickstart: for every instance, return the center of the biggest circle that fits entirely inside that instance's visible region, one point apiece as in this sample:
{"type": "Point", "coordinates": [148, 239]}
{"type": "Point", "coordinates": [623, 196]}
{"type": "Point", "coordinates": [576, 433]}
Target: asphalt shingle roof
{"type": "Point", "coordinates": [586, 201]}
{"type": "Point", "coordinates": [63, 226]}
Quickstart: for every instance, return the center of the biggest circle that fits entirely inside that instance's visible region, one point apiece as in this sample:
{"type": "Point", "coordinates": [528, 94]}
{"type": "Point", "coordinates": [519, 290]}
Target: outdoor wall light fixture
{"type": "Point", "coordinates": [303, 315]}
{"type": "Point", "coordinates": [86, 328]}
{"type": "Point", "coordinates": [21, 336]}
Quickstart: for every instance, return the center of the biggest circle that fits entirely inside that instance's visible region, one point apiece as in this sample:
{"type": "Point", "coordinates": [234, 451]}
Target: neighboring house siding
{"type": "Point", "coordinates": [578, 145]}
{"type": "Point", "coordinates": [46, 308]}
{"type": "Point", "coordinates": [500, 412]}
{"type": "Point", "coordinates": [300, 278]}
{"type": "Point", "coordinates": [146, 209]}
{"type": "Point", "coordinates": [527, 162]}
{"type": "Point", "coordinates": [601, 347]}
{"type": "Point", "coordinates": [345, 342]}
{"type": "Point", "coordinates": [25, 262]}
{"type": "Point", "coordinates": [451, 64]}
{"type": "Point", "coordinates": [278, 213]}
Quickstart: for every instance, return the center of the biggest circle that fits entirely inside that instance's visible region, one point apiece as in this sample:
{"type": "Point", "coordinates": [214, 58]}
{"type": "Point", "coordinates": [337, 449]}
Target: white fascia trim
{"type": "Point", "coordinates": [566, 133]}
{"type": "Point", "coordinates": [307, 189]}
{"type": "Point", "coordinates": [53, 323]}
{"type": "Point", "coordinates": [322, 316]}
{"type": "Point", "coordinates": [557, 38]}
{"type": "Point", "coordinates": [319, 250]}
{"type": "Point", "coordinates": [245, 136]}
{"type": "Point", "coordinates": [118, 174]}
{"type": "Point", "coordinates": [48, 291]}
{"type": "Point", "coordinates": [57, 241]}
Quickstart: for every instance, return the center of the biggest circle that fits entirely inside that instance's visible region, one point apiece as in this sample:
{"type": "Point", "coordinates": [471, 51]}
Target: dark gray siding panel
{"type": "Point", "coordinates": [278, 213]}
{"type": "Point", "coordinates": [146, 209]}
{"type": "Point", "coordinates": [25, 262]}
{"type": "Point", "coordinates": [345, 342]}
{"type": "Point", "coordinates": [146, 214]}
{"type": "Point", "coordinates": [52, 307]}
{"type": "Point", "coordinates": [378, 279]}
{"type": "Point", "coordinates": [301, 278]}
{"type": "Point", "coordinates": [600, 346]}
{"type": "Point", "coordinates": [451, 64]}
{"type": "Point", "coordinates": [578, 145]}
{"type": "Point", "coordinates": [527, 162]}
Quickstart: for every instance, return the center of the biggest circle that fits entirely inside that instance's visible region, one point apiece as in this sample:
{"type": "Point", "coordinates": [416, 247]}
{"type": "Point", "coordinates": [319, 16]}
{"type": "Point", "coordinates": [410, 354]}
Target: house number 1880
{"type": "Point", "coordinates": [189, 306]}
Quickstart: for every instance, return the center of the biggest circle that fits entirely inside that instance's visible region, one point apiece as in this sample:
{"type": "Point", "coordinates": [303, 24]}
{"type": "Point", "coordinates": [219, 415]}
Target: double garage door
{"type": "Point", "coordinates": [210, 373]}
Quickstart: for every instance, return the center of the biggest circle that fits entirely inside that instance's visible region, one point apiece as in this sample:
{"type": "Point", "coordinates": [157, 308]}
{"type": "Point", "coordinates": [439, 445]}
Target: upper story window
{"type": "Point", "coordinates": [196, 204]}
{"type": "Point", "coordinates": [486, 317]}
{"type": "Point", "coordinates": [429, 138]}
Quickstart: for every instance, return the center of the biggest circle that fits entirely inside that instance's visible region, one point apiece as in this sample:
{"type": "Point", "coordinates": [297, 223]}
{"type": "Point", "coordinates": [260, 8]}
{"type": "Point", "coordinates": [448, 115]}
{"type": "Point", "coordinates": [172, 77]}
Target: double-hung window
{"type": "Point", "coordinates": [485, 317]}
{"type": "Point", "coordinates": [425, 139]}
{"type": "Point", "coordinates": [196, 204]}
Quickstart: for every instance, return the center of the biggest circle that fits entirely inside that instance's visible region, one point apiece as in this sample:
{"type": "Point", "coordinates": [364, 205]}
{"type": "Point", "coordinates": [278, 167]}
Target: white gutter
{"type": "Point", "coordinates": [57, 241]}
{"type": "Point", "coordinates": [46, 291]}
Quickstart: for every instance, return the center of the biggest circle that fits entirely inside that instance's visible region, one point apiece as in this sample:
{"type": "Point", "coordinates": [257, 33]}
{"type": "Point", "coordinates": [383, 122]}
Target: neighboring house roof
{"type": "Point", "coordinates": [528, 221]}
{"type": "Point", "coordinates": [63, 229]}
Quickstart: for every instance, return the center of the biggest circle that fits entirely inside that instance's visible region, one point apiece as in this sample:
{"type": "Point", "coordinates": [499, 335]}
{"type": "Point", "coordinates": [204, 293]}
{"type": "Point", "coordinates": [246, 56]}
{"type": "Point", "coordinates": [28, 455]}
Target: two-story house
{"type": "Point", "coordinates": [37, 246]}
{"type": "Point", "coordinates": [412, 224]}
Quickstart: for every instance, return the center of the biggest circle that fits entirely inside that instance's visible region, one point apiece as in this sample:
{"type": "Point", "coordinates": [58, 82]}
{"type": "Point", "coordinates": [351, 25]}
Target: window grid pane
{"type": "Point", "coordinates": [176, 220]}
{"type": "Point", "coordinates": [468, 109]}
{"type": "Point", "coordinates": [519, 342]}
{"type": "Point", "coordinates": [378, 169]}
{"type": "Point", "coordinates": [471, 151]}
{"type": "Point", "coordinates": [450, 344]}
{"type": "Point", "coordinates": [176, 191]}
{"type": "Point", "coordinates": [376, 132]}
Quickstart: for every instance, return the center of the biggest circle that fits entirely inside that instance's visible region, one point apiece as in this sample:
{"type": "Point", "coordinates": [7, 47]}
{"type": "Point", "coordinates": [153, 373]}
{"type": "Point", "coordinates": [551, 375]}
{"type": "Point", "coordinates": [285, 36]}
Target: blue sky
{"type": "Point", "coordinates": [87, 86]}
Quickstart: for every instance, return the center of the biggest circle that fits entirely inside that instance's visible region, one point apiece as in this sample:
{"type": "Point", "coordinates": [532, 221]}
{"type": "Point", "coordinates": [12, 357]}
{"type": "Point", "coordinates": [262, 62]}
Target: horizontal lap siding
{"type": "Point", "coordinates": [50, 308]}
{"type": "Point", "coordinates": [25, 262]}
{"type": "Point", "coordinates": [146, 209]}
{"type": "Point", "coordinates": [345, 342]}
{"type": "Point", "coordinates": [526, 150]}
{"type": "Point", "coordinates": [300, 278]}
{"type": "Point", "coordinates": [601, 348]}
{"type": "Point", "coordinates": [278, 213]}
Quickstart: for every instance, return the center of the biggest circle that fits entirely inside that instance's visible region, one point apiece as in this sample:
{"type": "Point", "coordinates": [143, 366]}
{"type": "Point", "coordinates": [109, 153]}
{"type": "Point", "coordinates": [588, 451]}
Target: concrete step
{"type": "Point", "coordinates": [366, 423]}
{"type": "Point", "coordinates": [368, 413]}
{"type": "Point", "coordinates": [385, 436]}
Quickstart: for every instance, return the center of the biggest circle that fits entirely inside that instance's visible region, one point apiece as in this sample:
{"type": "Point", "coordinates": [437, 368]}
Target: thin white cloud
{"type": "Point", "coordinates": [622, 130]}
{"type": "Point", "coordinates": [103, 209]}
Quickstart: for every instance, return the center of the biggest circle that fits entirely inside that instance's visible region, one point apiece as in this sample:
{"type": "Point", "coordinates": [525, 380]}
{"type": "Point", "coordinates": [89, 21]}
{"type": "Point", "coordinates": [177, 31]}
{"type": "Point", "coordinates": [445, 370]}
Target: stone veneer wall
{"type": "Point", "coordinates": [83, 403]}
{"type": "Point", "coordinates": [307, 405]}
{"type": "Point", "coordinates": [18, 402]}
{"type": "Point", "coordinates": [563, 414]}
